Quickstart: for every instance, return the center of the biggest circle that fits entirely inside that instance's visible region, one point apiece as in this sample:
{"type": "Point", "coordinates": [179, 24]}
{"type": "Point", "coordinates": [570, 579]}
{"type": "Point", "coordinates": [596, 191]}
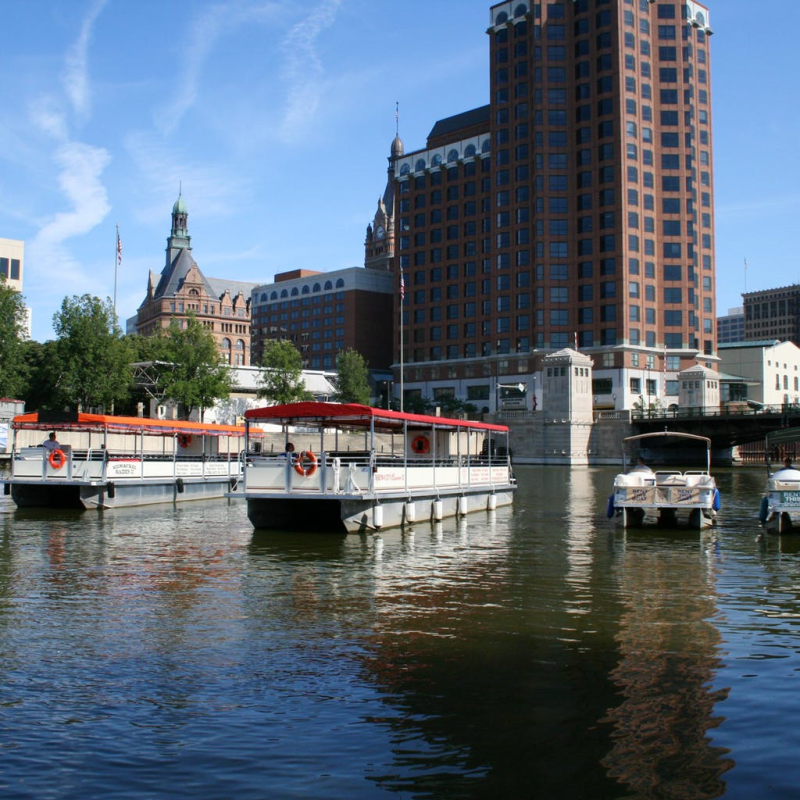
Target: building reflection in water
{"type": "Point", "coordinates": [668, 660]}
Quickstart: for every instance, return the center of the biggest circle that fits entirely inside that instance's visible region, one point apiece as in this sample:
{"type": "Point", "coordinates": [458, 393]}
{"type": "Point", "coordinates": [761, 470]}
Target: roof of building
{"type": "Point", "coordinates": [219, 285]}
{"type": "Point", "coordinates": [754, 343]}
{"type": "Point", "coordinates": [174, 274]}
{"type": "Point", "coordinates": [467, 119]}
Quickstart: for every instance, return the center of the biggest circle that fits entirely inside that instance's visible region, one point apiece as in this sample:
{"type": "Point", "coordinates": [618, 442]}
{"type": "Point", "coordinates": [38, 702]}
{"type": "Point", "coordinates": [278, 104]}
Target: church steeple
{"type": "Point", "coordinates": [179, 238]}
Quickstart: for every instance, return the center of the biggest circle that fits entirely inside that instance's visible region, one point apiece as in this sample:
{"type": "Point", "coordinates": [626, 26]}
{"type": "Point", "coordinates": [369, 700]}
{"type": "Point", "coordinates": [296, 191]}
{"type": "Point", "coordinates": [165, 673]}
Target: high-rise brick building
{"type": "Point", "coordinates": [575, 210]}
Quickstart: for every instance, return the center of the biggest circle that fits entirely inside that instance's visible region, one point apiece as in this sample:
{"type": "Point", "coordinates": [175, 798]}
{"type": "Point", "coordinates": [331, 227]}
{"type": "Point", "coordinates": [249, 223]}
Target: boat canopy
{"type": "Point", "coordinates": [676, 434]}
{"type": "Point", "coordinates": [76, 421]}
{"type": "Point", "coordinates": [352, 415]}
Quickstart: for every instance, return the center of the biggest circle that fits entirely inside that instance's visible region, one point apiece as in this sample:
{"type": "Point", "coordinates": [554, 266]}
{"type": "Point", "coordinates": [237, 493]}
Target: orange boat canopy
{"type": "Point", "coordinates": [75, 421]}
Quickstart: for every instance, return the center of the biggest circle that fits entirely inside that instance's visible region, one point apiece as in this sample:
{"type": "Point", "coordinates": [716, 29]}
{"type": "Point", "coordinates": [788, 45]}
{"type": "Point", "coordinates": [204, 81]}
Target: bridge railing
{"type": "Point", "coordinates": [713, 411]}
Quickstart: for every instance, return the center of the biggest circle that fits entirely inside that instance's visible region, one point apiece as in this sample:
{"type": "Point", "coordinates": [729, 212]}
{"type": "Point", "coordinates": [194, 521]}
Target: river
{"type": "Point", "coordinates": [530, 652]}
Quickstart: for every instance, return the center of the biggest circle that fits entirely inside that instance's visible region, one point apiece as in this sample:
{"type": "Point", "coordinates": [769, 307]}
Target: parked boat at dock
{"type": "Point", "coordinates": [780, 505]}
{"type": "Point", "coordinates": [671, 497]}
{"type": "Point", "coordinates": [102, 461]}
{"type": "Point", "coordinates": [434, 467]}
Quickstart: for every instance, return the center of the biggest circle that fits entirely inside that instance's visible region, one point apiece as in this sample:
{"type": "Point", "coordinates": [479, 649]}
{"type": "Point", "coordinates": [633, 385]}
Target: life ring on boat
{"type": "Point", "coordinates": [301, 469]}
{"type": "Point", "coordinates": [421, 445]}
{"type": "Point", "coordinates": [57, 458]}
{"type": "Point", "coordinates": [184, 440]}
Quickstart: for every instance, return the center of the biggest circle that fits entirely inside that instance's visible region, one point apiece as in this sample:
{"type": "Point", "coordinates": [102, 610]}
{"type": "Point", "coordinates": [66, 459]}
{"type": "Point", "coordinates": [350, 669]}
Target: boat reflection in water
{"type": "Point", "coordinates": [669, 657]}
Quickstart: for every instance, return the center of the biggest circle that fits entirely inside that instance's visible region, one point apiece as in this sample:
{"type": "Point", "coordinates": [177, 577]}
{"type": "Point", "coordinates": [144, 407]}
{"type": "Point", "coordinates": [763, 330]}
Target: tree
{"type": "Point", "coordinates": [92, 357]}
{"type": "Point", "coordinates": [453, 407]}
{"type": "Point", "coordinates": [352, 385]}
{"type": "Point", "coordinates": [282, 378]}
{"type": "Point", "coordinates": [12, 336]}
{"type": "Point", "coordinates": [417, 404]}
{"type": "Point", "coordinates": [193, 374]}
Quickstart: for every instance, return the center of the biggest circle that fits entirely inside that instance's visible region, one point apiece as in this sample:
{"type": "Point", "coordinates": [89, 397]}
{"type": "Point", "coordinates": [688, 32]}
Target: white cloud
{"type": "Point", "coordinates": [164, 169]}
{"type": "Point", "coordinates": [204, 33]}
{"type": "Point", "coordinates": [81, 168]}
{"type": "Point", "coordinates": [76, 76]}
{"type": "Point", "coordinates": [303, 69]}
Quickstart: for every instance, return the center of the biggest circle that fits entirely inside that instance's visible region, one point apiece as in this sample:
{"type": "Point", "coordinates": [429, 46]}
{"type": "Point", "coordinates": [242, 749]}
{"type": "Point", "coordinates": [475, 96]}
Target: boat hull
{"type": "Point", "coordinates": [116, 494]}
{"type": "Point", "coordinates": [361, 514]}
{"type": "Point", "coordinates": [666, 517]}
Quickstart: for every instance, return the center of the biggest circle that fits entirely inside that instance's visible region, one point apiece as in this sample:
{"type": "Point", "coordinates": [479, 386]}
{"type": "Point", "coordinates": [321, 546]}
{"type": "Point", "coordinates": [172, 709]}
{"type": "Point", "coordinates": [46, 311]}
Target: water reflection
{"type": "Point", "coordinates": [581, 494]}
{"type": "Point", "coordinates": [669, 655]}
{"type": "Point", "coordinates": [534, 651]}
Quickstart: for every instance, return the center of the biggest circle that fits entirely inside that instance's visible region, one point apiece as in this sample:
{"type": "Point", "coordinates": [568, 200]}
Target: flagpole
{"type": "Point", "coordinates": [745, 276]}
{"type": "Point", "coordinates": [117, 256]}
{"type": "Point", "coordinates": [402, 300]}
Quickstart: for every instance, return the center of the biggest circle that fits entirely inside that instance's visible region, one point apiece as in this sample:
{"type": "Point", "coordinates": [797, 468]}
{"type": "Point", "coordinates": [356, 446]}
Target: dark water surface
{"type": "Point", "coordinates": [529, 652]}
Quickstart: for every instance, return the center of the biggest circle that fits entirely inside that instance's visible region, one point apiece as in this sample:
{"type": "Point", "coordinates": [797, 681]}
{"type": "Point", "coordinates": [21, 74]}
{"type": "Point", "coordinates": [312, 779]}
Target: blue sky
{"type": "Point", "coordinates": [276, 119]}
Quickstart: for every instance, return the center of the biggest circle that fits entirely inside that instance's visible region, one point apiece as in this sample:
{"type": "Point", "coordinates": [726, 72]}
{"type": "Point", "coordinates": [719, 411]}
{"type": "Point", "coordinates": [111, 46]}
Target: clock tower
{"type": "Point", "coordinates": [379, 243]}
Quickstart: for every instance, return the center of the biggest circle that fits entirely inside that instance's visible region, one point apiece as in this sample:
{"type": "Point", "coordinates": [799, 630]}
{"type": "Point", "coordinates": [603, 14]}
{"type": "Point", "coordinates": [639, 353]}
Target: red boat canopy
{"type": "Point", "coordinates": [72, 421]}
{"type": "Point", "coordinates": [345, 415]}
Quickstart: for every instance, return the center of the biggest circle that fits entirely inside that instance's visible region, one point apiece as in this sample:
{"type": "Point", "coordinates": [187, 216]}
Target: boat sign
{"type": "Point", "coordinates": [790, 498]}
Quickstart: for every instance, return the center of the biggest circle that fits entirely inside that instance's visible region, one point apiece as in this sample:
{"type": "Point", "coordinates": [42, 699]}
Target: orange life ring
{"type": "Point", "coordinates": [57, 458]}
{"type": "Point", "coordinates": [184, 440]}
{"type": "Point", "coordinates": [300, 469]}
{"type": "Point", "coordinates": [421, 445]}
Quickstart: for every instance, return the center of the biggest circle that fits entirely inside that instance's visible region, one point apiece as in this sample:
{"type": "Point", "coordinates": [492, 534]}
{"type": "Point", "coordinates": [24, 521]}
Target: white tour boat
{"type": "Point", "coordinates": [781, 500]}
{"type": "Point", "coordinates": [101, 461]}
{"type": "Point", "coordinates": [424, 468]}
{"type": "Point", "coordinates": [671, 496]}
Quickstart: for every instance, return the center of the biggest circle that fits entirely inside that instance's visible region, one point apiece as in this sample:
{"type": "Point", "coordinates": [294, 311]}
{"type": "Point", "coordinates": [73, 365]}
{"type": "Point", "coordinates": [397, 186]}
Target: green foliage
{"type": "Point", "coordinates": [42, 366]}
{"type": "Point", "coordinates": [92, 359]}
{"type": "Point", "coordinates": [352, 385]}
{"type": "Point", "coordinates": [453, 407]}
{"type": "Point", "coordinates": [12, 337]}
{"type": "Point", "coordinates": [282, 378]}
{"type": "Point", "coordinates": [194, 376]}
{"type": "Point", "coordinates": [417, 404]}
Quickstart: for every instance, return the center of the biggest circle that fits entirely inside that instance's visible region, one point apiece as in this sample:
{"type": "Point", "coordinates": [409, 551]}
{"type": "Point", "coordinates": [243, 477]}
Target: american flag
{"type": "Point", "coordinates": [119, 248]}
{"type": "Point", "coordinates": [402, 287]}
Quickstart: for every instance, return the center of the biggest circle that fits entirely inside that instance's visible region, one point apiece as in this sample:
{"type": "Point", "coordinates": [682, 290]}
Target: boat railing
{"type": "Point", "coordinates": [361, 472]}
{"type": "Point", "coordinates": [99, 464]}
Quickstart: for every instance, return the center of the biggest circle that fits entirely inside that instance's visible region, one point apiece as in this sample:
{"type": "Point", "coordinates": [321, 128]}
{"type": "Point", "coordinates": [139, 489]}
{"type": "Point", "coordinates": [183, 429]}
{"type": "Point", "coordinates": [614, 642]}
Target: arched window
{"type": "Point", "coordinates": [521, 10]}
{"type": "Point", "coordinates": [501, 18]}
{"type": "Point", "coordinates": [295, 292]}
{"type": "Point", "coordinates": [263, 297]}
{"type": "Point", "coordinates": [405, 169]}
{"type": "Point", "coordinates": [273, 296]}
{"type": "Point", "coordinates": [226, 344]}
{"type": "Point", "coordinates": [469, 151]}
{"type": "Point", "coordinates": [486, 146]}
{"type": "Point", "coordinates": [284, 293]}
{"type": "Point", "coordinates": [328, 286]}
{"type": "Point", "coordinates": [317, 287]}
{"type": "Point", "coordinates": [420, 165]}
{"type": "Point", "coordinates": [452, 156]}
{"type": "Point", "coordinates": [306, 290]}
{"type": "Point", "coordinates": [340, 283]}
{"type": "Point", "coordinates": [435, 161]}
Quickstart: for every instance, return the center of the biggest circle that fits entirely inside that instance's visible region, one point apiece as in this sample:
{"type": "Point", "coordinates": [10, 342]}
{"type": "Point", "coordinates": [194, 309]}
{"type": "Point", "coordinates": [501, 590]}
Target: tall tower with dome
{"type": "Point", "coordinates": [379, 245]}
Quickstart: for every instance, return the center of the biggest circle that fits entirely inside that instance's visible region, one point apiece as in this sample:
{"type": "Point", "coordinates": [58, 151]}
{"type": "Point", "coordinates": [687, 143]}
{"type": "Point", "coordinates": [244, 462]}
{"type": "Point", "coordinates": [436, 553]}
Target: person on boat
{"type": "Point", "coordinates": [288, 452]}
{"type": "Point", "coordinates": [51, 443]}
{"type": "Point", "coordinates": [641, 466]}
{"type": "Point", "coordinates": [787, 464]}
